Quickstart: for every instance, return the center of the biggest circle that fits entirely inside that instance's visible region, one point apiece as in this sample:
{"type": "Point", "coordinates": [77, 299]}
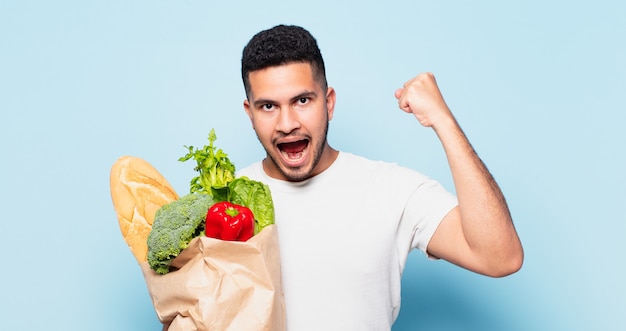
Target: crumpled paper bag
{"type": "Point", "coordinates": [221, 285]}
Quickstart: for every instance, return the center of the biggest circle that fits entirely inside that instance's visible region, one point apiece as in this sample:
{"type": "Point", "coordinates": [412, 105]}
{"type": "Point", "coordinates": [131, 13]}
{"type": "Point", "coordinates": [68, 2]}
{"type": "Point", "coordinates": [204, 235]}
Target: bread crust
{"type": "Point", "coordinates": [138, 190]}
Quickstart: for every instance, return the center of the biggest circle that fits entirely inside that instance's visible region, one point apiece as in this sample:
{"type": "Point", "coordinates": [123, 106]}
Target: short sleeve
{"type": "Point", "coordinates": [424, 211]}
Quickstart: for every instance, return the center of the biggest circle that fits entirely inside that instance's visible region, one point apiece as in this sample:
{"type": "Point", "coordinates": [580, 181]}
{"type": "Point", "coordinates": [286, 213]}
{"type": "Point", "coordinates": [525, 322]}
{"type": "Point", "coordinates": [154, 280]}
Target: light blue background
{"type": "Point", "coordinates": [538, 86]}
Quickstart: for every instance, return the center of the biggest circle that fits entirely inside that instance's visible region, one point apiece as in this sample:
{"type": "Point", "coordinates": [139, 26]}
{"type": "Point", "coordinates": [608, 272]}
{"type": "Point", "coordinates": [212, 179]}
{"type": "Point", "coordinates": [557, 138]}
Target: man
{"type": "Point", "coordinates": [346, 224]}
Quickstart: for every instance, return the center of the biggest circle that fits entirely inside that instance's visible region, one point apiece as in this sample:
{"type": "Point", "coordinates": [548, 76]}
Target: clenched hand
{"type": "Point", "coordinates": [421, 97]}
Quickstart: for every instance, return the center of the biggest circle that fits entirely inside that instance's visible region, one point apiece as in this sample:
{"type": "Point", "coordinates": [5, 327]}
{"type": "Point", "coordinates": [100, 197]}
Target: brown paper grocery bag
{"type": "Point", "coordinates": [222, 285]}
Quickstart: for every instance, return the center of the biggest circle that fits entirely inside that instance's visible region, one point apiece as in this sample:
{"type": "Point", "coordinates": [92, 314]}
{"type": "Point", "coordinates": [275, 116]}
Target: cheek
{"type": "Point", "coordinates": [263, 129]}
{"type": "Point", "coordinates": [319, 120]}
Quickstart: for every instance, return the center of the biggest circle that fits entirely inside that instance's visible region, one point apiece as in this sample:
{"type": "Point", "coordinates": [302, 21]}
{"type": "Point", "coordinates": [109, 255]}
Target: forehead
{"type": "Point", "coordinates": [282, 82]}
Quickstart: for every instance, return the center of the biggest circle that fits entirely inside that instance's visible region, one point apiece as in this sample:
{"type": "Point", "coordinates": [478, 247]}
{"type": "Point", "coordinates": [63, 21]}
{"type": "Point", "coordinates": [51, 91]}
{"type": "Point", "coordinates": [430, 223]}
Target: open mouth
{"type": "Point", "coordinates": [294, 152]}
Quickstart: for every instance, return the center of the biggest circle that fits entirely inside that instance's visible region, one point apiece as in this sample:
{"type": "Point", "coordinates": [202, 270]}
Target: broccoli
{"type": "Point", "coordinates": [175, 225]}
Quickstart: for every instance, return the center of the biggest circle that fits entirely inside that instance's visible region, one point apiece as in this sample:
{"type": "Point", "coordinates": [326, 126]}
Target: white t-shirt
{"type": "Point", "coordinates": [344, 238]}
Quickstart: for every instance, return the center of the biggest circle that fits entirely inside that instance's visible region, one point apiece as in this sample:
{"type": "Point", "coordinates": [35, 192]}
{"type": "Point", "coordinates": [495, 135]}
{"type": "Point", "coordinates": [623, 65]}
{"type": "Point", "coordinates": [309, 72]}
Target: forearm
{"type": "Point", "coordinates": [485, 218]}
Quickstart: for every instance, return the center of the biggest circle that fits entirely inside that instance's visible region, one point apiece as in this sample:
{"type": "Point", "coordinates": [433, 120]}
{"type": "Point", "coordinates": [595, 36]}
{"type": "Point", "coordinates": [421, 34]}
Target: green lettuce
{"type": "Point", "coordinates": [256, 196]}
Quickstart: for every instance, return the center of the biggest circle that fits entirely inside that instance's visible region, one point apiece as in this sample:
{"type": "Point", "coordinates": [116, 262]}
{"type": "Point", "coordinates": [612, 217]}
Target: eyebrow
{"type": "Point", "coordinates": [305, 94]}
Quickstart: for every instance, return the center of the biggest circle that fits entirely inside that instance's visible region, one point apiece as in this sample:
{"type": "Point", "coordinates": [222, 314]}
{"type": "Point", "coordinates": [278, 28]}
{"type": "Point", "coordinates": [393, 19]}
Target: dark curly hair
{"type": "Point", "coordinates": [282, 44]}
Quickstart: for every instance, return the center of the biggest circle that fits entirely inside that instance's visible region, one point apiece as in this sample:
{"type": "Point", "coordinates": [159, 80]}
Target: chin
{"type": "Point", "coordinates": [296, 175]}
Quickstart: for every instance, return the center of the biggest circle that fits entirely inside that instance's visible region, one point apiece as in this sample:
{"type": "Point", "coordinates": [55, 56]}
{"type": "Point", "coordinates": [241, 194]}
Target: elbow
{"type": "Point", "coordinates": [507, 266]}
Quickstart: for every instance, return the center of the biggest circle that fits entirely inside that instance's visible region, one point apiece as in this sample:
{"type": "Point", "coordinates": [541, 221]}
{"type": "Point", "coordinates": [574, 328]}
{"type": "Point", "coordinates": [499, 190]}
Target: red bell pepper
{"type": "Point", "coordinates": [229, 221]}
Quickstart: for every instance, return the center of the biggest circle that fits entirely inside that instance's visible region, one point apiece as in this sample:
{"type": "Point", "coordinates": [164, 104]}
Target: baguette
{"type": "Point", "coordinates": [138, 190]}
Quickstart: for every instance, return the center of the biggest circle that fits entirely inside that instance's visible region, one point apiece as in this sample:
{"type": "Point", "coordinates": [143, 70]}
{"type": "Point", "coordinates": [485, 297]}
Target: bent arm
{"type": "Point", "coordinates": [478, 234]}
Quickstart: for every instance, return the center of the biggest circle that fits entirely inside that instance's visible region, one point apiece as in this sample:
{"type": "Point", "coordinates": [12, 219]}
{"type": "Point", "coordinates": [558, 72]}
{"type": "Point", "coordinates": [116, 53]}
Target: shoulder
{"type": "Point", "coordinates": [252, 171]}
{"type": "Point", "coordinates": [374, 168]}
{"type": "Point", "coordinates": [353, 160]}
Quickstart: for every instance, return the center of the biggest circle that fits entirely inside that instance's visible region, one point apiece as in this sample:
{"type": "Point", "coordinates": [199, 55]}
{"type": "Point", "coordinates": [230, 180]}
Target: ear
{"type": "Point", "coordinates": [330, 102]}
{"type": "Point", "coordinates": [246, 107]}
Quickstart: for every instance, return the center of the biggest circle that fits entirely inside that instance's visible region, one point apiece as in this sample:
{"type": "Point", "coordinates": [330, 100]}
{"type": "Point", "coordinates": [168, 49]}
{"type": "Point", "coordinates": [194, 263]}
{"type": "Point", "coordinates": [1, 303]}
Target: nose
{"type": "Point", "coordinates": [288, 120]}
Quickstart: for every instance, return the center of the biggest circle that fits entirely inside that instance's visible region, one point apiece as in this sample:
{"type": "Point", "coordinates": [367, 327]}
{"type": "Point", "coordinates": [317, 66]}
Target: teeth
{"type": "Point", "coordinates": [294, 157]}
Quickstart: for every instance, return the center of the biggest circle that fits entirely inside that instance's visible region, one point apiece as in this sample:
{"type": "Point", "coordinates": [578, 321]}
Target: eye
{"type": "Point", "coordinates": [303, 100]}
{"type": "Point", "coordinates": [267, 106]}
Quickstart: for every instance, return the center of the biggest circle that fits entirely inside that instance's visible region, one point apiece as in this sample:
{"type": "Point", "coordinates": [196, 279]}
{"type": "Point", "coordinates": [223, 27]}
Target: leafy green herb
{"type": "Point", "coordinates": [214, 168]}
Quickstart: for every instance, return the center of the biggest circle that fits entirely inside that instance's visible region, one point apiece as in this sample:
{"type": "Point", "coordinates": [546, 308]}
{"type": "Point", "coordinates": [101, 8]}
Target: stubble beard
{"type": "Point", "coordinates": [298, 175]}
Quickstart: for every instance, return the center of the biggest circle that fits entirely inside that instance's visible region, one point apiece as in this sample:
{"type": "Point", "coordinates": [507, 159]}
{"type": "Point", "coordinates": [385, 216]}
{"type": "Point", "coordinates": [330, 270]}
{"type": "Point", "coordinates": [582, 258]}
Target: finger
{"type": "Point", "coordinates": [403, 103]}
{"type": "Point", "coordinates": [398, 93]}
